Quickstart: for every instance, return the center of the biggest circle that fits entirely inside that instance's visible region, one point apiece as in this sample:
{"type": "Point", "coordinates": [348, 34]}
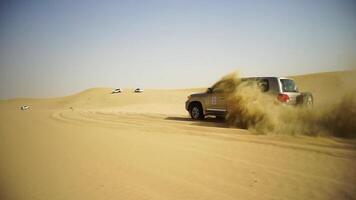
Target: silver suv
{"type": "Point", "coordinates": [213, 101]}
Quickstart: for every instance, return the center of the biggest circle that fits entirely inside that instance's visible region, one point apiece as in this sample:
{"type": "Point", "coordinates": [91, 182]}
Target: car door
{"type": "Point", "coordinates": [216, 101]}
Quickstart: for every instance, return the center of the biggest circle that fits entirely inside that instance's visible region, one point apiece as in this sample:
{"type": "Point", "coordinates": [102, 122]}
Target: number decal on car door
{"type": "Point", "coordinates": [213, 100]}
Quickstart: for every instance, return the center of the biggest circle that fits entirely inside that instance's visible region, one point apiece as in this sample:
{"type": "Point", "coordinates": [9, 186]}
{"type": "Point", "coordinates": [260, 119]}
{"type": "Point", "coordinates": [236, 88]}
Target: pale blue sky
{"type": "Point", "coordinates": [53, 48]}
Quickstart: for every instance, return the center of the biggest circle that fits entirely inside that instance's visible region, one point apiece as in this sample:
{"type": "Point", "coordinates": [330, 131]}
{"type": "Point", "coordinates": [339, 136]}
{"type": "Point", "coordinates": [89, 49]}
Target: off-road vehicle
{"type": "Point", "coordinates": [117, 90]}
{"type": "Point", "coordinates": [213, 101]}
{"type": "Point", "coordinates": [25, 107]}
{"type": "Point", "coordinates": [138, 90]}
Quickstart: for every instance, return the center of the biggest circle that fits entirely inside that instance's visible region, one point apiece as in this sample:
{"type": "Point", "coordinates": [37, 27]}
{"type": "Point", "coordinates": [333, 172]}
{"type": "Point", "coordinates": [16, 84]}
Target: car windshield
{"type": "Point", "coordinates": [288, 85]}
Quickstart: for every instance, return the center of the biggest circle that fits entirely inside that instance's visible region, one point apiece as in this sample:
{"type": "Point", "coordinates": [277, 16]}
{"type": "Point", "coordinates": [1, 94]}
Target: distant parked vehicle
{"type": "Point", "coordinates": [118, 90]}
{"type": "Point", "coordinates": [25, 107]}
{"type": "Point", "coordinates": [138, 90]}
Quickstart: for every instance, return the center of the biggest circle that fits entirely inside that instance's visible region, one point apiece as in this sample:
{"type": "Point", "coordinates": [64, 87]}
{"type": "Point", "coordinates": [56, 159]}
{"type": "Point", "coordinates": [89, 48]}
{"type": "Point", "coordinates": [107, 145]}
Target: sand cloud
{"type": "Point", "coordinates": [262, 113]}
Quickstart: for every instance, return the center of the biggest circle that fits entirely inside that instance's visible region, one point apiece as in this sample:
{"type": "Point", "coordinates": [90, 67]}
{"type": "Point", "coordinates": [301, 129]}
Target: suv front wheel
{"type": "Point", "coordinates": [196, 112]}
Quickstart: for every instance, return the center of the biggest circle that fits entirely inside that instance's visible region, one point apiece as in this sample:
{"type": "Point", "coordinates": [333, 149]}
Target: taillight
{"type": "Point", "coordinates": [283, 98]}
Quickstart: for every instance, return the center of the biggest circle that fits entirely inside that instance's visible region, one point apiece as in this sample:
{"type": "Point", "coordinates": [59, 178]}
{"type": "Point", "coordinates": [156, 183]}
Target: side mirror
{"type": "Point", "coordinates": [210, 90]}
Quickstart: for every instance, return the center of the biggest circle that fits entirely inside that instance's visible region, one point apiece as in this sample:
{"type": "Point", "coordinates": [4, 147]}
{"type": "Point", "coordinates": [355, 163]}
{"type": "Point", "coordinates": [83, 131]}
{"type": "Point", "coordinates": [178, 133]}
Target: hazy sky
{"type": "Point", "coordinates": [54, 48]}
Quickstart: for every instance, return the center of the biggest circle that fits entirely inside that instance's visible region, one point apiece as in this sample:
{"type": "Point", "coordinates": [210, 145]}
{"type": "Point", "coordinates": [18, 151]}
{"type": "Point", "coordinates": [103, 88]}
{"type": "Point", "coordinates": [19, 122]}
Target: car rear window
{"type": "Point", "coordinates": [263, 85]}
{"type": "Point", "coordinates": [288, 85]}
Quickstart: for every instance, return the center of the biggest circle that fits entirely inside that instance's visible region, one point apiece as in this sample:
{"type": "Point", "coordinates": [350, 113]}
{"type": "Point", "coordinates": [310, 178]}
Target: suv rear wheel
{"type": "Point", "coordinates": [196, 112]}
{"type": "Point", "coordinates": [308, 101]}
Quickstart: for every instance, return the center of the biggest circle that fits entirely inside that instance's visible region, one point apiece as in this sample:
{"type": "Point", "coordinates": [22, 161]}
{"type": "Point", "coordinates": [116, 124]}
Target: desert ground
{"type": "Point", "coordinates": [98, 145]}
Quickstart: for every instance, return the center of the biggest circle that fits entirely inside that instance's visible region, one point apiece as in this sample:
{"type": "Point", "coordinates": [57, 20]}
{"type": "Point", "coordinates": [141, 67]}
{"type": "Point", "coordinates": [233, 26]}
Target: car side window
{"type": "Point", "coordinates": [263, 85]}
{"type": "Point", "coordinates": [217, 90]}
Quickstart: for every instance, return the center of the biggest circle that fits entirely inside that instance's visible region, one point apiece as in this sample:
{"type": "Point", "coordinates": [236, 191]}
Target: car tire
{"type": "Point", "coordinates": [196, 112]}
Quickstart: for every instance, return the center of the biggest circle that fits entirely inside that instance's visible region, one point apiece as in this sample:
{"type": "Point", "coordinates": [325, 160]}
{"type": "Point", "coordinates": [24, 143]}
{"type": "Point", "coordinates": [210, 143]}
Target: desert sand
{"type": "Point", "coordinates": [98, 145]}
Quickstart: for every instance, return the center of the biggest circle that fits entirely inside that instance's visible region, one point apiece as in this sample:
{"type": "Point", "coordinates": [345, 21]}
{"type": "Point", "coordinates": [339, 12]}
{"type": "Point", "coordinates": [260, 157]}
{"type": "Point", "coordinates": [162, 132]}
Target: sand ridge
{"type": "Point", "coordinates": [97, 145]}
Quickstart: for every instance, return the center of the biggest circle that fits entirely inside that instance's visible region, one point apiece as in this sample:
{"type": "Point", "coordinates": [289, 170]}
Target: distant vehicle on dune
{"type": "Point", "coordinates": [118, 90]}
{"type": "Point", "coordinates": [138, 90]}
{"type": "Point", "coordinates": [25, 107]}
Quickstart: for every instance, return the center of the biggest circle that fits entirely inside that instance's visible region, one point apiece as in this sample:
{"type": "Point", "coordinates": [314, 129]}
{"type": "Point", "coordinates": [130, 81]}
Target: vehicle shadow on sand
{"type": "Point", "coordinates": [209, 121]}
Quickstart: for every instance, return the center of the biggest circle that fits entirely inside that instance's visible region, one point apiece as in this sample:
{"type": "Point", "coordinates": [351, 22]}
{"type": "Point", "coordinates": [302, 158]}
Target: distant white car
{"type": "Point", "coordinates": [25, 107]}
{"type": "Point", "coordinates": [138, 90]}
{"type": "Point", "coordinates": [118, 90]}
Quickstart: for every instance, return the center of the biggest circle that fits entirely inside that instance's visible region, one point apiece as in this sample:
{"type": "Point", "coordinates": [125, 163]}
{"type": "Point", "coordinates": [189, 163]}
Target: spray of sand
{"type": "Point", "coordinates": [262, 113]}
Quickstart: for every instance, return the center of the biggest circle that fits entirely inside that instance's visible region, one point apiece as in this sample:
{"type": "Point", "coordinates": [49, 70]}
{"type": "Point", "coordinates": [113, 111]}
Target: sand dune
{"type": "Point", "coordinates": [98, 145]}
{"type": "Point", "coordinates": [328, 87]}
